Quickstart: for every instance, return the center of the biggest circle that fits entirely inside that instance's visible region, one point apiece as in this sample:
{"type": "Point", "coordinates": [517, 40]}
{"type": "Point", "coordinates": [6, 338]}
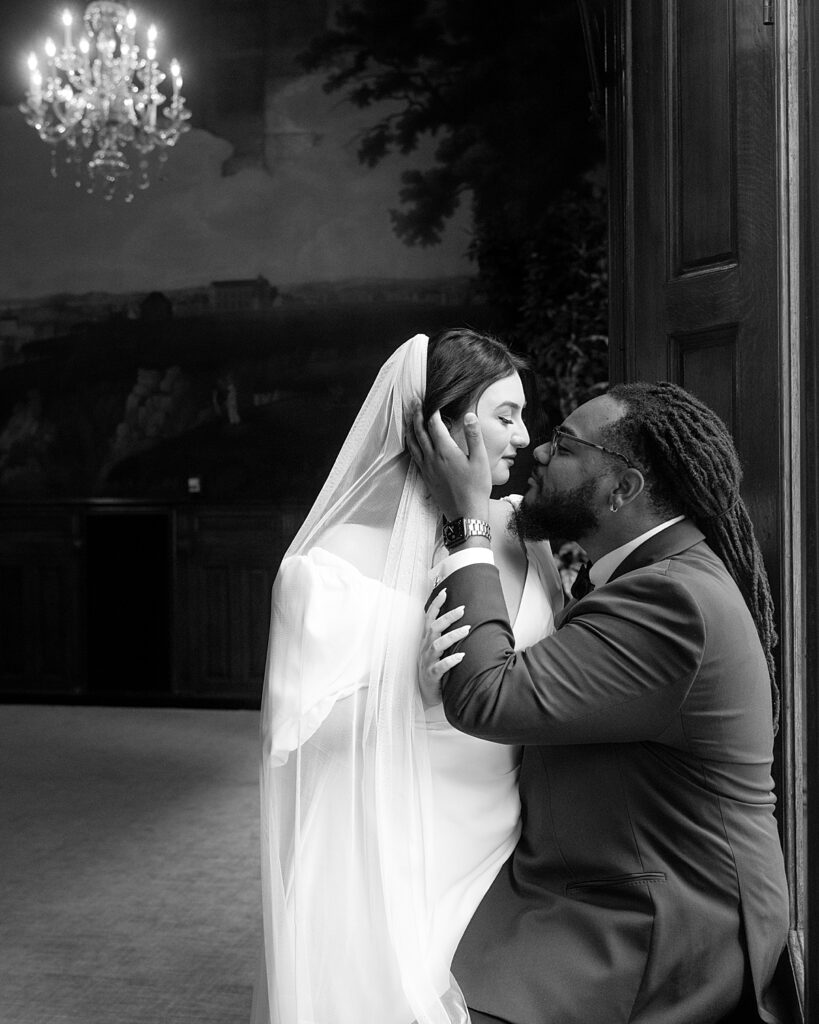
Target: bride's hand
{"type": "Point", "coordinates": [459, 482]}
{"type": "Point", "coordinates": [432, 667]}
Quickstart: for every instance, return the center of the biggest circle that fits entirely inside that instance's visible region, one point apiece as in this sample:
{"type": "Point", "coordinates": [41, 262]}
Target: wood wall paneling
{"type": "Point", "coordinates": [230, 562]}
{"type": "Point", "coordinates": [75, 622]}
{"type": "Point", "coordinates": [41, 608]}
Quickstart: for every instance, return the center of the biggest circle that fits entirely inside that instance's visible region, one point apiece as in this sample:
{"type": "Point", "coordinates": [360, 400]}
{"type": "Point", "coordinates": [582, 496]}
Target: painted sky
{"type": "Point", "coordinates": [317, 216]}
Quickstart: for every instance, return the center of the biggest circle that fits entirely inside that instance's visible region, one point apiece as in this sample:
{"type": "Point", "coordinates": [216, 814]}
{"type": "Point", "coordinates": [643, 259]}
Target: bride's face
{"type": "Point", "coordinates": [499, 410]}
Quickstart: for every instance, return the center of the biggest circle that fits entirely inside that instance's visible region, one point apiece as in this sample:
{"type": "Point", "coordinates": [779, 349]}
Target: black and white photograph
{"type": "Point", "coordinates": [409, 512]}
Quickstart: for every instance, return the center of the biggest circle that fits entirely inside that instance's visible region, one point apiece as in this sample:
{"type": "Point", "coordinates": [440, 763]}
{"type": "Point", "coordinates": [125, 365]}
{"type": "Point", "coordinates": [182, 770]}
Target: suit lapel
{"type": "Point", "coordinates": [671, 541]}
{"type": "Point", "coordinates": [665, 544]}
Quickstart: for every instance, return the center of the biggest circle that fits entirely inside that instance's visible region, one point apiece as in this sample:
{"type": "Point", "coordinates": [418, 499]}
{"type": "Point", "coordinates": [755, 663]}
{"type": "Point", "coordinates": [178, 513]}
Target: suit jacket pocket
{"type": "Point", "coordinates": [595, 887]}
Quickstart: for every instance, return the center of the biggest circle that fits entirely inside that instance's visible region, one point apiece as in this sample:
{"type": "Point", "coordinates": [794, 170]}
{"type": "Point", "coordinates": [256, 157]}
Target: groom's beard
{"type": "Point", "coordinates": [567, 516]}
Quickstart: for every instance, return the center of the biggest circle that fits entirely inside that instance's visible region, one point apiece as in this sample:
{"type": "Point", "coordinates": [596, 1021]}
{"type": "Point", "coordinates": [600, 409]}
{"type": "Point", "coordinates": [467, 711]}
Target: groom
{"type": "Point", "coordinates": [648, 884]}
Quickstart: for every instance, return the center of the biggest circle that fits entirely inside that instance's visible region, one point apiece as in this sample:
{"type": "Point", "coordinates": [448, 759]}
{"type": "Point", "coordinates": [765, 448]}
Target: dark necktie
{"type": "Point", "coordinates": [582, 584]}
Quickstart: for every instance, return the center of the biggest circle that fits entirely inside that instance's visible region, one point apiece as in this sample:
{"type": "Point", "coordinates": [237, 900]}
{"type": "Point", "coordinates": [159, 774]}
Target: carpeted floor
{"type": "Point", "coordinates": [129, 889]}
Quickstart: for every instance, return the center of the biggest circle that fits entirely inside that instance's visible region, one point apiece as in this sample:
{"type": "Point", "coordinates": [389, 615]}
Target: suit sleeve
{"type": "Point", "coordinates": [617, 669]}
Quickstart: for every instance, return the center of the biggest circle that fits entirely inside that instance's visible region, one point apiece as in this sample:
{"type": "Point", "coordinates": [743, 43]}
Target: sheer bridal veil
{"type": "Point", "coordinates": [345, 781]}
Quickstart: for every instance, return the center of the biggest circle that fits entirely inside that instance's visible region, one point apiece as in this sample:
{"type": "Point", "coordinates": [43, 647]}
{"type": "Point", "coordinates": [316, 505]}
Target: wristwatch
{"type": "Point", "coordinates": [456, 531]}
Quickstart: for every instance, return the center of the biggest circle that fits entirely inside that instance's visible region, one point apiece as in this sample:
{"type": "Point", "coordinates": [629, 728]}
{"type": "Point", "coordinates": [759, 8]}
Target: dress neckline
{"type": "Point", "coordinates": [527, 567]}
{"type": "Point", "coordinates": [527, 573]}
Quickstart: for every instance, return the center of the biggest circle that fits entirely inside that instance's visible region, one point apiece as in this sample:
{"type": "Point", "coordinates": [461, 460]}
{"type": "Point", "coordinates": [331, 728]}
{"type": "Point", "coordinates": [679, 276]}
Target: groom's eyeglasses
{"type": "Point", "coordinates": [558, 432]}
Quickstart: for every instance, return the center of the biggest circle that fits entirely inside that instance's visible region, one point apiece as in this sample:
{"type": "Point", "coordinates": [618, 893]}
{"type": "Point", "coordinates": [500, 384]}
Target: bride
{"type": "Point", "coordinates": [382, 826]}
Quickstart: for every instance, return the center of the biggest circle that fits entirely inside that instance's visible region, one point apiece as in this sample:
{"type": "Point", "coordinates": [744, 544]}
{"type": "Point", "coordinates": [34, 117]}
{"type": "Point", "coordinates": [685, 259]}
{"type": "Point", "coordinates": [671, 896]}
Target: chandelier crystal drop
{"type": "Point", "coordinates": [97, 100]}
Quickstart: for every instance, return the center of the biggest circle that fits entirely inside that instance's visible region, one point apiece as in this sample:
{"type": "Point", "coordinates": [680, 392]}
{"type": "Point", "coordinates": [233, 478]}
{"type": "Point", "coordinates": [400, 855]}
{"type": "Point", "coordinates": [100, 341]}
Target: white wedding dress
{"type": "Point", "coordinates": [474, 812]}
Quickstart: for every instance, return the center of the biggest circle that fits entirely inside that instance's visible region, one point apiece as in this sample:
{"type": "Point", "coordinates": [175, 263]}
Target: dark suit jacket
{"type": "Point", "coordinates": [649, 870]}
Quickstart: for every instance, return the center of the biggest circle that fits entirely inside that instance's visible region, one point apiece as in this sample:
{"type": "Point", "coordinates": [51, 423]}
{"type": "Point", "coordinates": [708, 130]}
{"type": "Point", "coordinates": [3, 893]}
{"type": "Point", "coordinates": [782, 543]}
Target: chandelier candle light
{"type": "Point", "coordinates": [101, 98]}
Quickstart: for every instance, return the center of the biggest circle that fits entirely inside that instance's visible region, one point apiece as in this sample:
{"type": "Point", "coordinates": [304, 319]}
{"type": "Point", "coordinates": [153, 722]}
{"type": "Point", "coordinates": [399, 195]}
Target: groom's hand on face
{"type": "Point", "coordinates": [432, 666]}
{"type": "Point", "coordinates": [459, 482]}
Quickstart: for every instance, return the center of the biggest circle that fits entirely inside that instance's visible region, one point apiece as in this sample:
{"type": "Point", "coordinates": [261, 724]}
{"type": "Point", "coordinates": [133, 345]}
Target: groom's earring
{"type": "Point", "coordinates": [613, 506]}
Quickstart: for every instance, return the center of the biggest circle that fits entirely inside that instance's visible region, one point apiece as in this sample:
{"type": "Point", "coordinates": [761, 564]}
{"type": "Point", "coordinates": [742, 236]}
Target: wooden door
{"type": "Point", "coordinates": [702, 271]}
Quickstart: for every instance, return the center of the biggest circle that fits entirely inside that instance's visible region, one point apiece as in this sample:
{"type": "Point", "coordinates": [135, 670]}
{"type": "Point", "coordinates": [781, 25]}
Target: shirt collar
{"type": "Point", "coordinates": [602, 570]}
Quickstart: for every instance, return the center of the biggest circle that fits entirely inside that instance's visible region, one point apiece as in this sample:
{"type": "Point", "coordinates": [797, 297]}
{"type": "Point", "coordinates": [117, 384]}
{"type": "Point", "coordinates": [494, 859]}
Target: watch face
{"type": "Point", "coordinates": [459, 530]}
{"type": "Point", "coordinates": [454, 533]}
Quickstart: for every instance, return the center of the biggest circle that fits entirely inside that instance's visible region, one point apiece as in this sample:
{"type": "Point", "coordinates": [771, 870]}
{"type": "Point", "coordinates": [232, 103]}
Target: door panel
{"type": "Point", "coordinates": [226, 563]}
{"type": "Point", "coordinates": [705, 362]}
{"type": "Point", "coordinates": [694, 223]}
{"type": "Point", "coordinates": [701, 135]}
{"type": "Point", "coordinates": [40, 616]}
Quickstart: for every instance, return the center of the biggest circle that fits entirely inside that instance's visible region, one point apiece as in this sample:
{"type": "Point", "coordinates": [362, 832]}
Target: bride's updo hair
{"type": "Point", "coordinates": [461, 364]}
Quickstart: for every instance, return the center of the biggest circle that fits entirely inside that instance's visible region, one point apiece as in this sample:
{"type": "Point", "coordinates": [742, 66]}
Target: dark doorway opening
{"type": "Point", "coordinates": [129, 605]}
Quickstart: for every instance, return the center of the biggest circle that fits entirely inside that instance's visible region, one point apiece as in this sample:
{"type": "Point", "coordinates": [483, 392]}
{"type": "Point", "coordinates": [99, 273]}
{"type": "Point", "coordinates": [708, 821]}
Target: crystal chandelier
{"type": "Point", "coordinates": [100, 97]}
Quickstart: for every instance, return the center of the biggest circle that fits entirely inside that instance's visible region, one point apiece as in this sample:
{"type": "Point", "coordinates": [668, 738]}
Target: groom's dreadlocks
{"type": "Point", "coordinates": [692, 468]}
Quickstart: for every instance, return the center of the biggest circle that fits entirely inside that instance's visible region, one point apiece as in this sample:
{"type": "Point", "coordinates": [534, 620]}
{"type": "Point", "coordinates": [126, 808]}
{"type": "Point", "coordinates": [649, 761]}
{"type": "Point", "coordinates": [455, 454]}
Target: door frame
{"type": "Point", "coordinates": [803, 49]}
{"type": "Point", "coordinates": [795, 483]}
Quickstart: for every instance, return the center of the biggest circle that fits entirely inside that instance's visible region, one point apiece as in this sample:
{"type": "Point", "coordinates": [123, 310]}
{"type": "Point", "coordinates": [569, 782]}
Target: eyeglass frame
{"type": "Point", "coordinates": [560, 432]}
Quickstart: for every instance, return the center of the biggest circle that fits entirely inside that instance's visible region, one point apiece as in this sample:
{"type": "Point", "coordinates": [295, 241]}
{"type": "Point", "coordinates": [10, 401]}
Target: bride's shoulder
{"type": "Point", "coordinates": [507, 502]}
{"type": "Point", "coordinates": [500, 512]}
{"type": "Point", "coordinates": [505, 543]}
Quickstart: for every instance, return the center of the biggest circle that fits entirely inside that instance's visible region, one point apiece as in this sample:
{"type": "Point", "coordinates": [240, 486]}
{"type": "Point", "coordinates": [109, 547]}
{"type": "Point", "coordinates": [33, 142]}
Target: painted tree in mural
{"type": "Point", "coordinates": [504, 90]}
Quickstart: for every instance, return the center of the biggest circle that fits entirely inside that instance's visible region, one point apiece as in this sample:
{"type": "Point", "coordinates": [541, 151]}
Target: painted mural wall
{"type": "Point", "coordinates": [219, 331]}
